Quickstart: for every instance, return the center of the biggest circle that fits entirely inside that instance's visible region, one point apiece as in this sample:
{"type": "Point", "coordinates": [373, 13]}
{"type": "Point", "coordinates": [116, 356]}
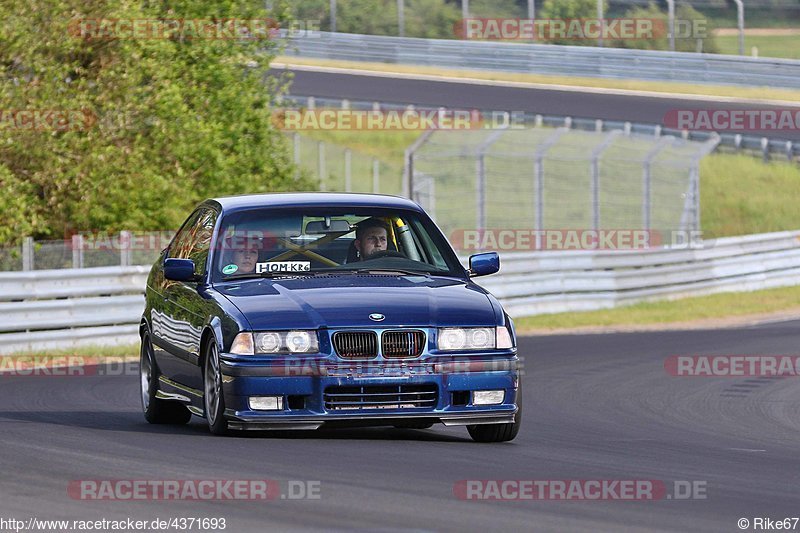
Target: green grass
{"type": "Point", "coordinates": [89, 352]}
{"type": "Point", "coordinates": [716, 306]}
{"type": "Point", "coordinates": [740, 194]}
{"type": "Point", "coordinates": [779, 46]}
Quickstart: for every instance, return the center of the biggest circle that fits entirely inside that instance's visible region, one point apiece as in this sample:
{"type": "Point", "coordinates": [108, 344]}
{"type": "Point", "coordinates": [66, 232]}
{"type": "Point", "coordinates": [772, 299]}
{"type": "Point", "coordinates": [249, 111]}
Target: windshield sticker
{"type": "Point", "coordinates": [283, 266]}
{"type": "Point", "coordinates": [230, 269]}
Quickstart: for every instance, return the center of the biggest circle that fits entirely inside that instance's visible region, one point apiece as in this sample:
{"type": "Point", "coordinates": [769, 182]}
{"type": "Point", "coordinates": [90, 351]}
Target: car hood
{"type": "Point", "coordinates": [348, 301]}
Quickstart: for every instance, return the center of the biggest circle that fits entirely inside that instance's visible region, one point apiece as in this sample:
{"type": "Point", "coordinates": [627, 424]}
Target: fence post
{"type": "Point", "coordinates": [408, 166]}
{"type": "Point", "coordinates": [376, 175]}
{"type": "Point", "coordinates": [401, 18]}
{"type": "Point", "coordinates": [480, 184]}
{"type": "Point", "coordinates": [647, 178]}
{"type": "Point", "coordinates": [296, 151]}
{"type": "Point", "coordinates": [27, 254]}
{"type": "Point", "coordinates": [321, 167]}
{"type": "Point", "coordinates": [333, 16]}
{"type": "Point", "coordinates": [538, 176]}
{"type": "Point", "coordinates": [765, 148]}
{"type": "Point", "coordinates": [596, 153]}
{"type": "Point", "coordinates": [671, 23]}
{"type": "Point", "coordinates": [77, 251]}
{"type": "Point", "coordinates": [348, 178]}
{"type": "Point", "coordinates": [125, 251]}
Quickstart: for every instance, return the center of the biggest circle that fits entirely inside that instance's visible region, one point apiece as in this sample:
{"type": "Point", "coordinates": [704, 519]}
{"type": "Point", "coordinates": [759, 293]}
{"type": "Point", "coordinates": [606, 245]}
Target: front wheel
{"type": "Point", "coordinates": [213, 397]}
{"type": "Point", "coordinates": [156, 411]}
{"type": "Point", "coordinates": [498, 432]}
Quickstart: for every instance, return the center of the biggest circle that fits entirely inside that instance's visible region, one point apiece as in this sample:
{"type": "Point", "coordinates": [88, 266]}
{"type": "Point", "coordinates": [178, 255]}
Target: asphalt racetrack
{"type": "Point", "coordinates": [597, 407]}
{"type": "Point", "coordinates": [456, 95]}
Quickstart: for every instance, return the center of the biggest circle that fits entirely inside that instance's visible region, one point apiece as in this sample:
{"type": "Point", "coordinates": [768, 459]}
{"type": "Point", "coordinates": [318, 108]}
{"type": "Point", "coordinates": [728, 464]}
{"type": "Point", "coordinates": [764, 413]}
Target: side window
{"type": "Point", "coordinates": [193, 241]}
{"type": "Point", "coordinates": [422, 237]}
{"type": "Point", "coordinates": [201, 239]}
{"type": "Point", "coordinates": [179, 249]}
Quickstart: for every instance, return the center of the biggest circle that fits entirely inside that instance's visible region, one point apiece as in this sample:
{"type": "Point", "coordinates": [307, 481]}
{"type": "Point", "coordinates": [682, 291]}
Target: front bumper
{"type": "Point", "coordinates": [303, 384]}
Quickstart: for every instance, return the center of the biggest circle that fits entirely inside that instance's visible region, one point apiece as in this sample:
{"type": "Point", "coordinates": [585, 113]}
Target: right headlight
{"type": "Point", "coordinates": [454, 339]}
{"type": "Point", "coordinates": [276, 342]}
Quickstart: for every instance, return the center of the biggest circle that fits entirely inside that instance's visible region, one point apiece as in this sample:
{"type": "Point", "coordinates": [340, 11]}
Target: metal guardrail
{"type": "Point", "coordinates": [62, 309]}
{"type": "Point", "coordinates": [766, 147]}
{"type": "Point", "coordinates": [103, 305]}
{"type": "Point", "coordinates": [582, 61]}
{"type": "Point", "coordinates": [553, 282]}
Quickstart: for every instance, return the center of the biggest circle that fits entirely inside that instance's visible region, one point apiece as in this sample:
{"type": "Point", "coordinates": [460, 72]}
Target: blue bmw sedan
{"type": "Point", "coordinates": [297, 311]}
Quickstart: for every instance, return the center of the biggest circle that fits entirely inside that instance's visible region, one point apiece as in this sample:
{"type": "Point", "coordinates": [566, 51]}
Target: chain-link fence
{"type": "Point", "coordinates": [85, 251]}
{"type": "Point", "coordinates": [545, 178]}
{"type": "Point", "coordinates": [338, 168]}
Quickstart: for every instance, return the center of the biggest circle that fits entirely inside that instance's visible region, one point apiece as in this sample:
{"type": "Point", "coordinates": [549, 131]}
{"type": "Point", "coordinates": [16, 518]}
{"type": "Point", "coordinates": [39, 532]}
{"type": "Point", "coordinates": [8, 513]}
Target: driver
{"type": "Point", "coordinates": [371, 237]}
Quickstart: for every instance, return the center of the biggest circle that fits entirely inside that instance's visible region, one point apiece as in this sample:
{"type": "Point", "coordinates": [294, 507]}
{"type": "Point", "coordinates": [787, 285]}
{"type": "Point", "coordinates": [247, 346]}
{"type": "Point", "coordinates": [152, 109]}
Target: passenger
{"type": "Point", "coordinates": [244, 256]}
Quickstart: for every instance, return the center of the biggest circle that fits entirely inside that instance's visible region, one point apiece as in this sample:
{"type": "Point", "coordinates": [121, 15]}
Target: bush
{"type": "Point", "coordinates": [178, 120]}
{"type": "Point", "coordinates": [683, 12]}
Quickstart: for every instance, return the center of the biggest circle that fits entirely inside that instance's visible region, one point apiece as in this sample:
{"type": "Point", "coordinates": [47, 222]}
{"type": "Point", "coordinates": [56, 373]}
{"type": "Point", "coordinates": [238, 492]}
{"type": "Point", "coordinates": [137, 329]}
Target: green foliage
{"type": "Point", "coordinates": [423, 18]}
{"type": "Point", "coordinates": [683, 12]}
{"type": "Point", "coordinates": [178, 120]}
{"type": "Point", "coordinates": [570, 9]}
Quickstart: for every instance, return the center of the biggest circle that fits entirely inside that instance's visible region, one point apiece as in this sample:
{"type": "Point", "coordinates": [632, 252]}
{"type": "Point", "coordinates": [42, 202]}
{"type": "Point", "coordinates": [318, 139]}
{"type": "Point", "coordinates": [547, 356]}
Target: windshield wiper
{"type": "Point", "coordinates": [268, 275]}
{"type": "Point", "coordinates": [405, 272]}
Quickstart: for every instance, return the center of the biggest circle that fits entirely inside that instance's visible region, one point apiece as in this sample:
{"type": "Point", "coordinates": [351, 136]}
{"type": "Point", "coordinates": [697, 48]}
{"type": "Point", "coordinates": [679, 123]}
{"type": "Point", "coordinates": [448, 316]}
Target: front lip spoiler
{"type": "Point", "coordinates": [394, 367]}
{"type": "Point", "coordinates": [316, 422]}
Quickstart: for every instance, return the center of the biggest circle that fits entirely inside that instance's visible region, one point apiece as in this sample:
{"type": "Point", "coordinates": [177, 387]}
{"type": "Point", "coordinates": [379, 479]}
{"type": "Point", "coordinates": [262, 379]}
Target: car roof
{"type": "Point", "coordinates": [313, 199]}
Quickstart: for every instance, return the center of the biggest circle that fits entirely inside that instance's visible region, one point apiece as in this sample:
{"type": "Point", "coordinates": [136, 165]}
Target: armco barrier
{"type": "Point", "coordinates": [581, 61]}
{"type": "Point", "coordinates": [62, 309]}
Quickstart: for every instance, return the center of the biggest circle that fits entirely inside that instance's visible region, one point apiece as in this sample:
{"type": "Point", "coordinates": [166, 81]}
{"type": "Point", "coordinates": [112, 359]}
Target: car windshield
{"type": "Point", "coordinates": [270, 242]}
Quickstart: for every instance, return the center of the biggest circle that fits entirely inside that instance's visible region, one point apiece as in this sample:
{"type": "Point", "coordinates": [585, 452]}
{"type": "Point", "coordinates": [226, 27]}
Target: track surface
{"type": "Point", "coordinates": [470, 96]}
{"type": "Point", "coordinates": [596, 407]}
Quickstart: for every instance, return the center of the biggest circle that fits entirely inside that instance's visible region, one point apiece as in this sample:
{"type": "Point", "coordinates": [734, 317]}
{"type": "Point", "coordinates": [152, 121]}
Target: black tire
{"type": "Point", "coordinates": [213, 398]}
{"type": "Point", "coordinates": [156, 411]}
{"type": "Point", "coordinates": [498, 432]}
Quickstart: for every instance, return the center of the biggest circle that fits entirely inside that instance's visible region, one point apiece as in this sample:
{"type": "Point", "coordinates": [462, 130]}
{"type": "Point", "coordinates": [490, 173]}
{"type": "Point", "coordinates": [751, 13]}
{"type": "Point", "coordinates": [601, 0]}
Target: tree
{"type": "Point", "coordinates": [168, 121]}
{"type": "Point", "coordinates": [688, 20]}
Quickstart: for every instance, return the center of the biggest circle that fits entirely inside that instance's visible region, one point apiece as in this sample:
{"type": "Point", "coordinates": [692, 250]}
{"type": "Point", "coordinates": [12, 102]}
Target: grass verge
{"type": "Point", "coordinates": [740, 194]}
{"type": "Point", "coordinates": [756, 304]}
{"type": "Point", "coordinates": [87, 352]}
{"type": "Point", "coordinates": [778, 46]}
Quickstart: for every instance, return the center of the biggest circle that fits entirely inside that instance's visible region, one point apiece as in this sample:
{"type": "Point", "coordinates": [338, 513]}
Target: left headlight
{"type": "Point", "coordinates": [276, 342]}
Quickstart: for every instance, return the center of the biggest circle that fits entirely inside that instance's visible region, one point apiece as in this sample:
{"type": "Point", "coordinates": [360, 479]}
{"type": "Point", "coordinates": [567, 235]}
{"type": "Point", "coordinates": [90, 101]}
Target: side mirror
{"type": "Point", "coordinates": [484, 264]}
{"type": "Point", "coordinates": [179, 269]}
